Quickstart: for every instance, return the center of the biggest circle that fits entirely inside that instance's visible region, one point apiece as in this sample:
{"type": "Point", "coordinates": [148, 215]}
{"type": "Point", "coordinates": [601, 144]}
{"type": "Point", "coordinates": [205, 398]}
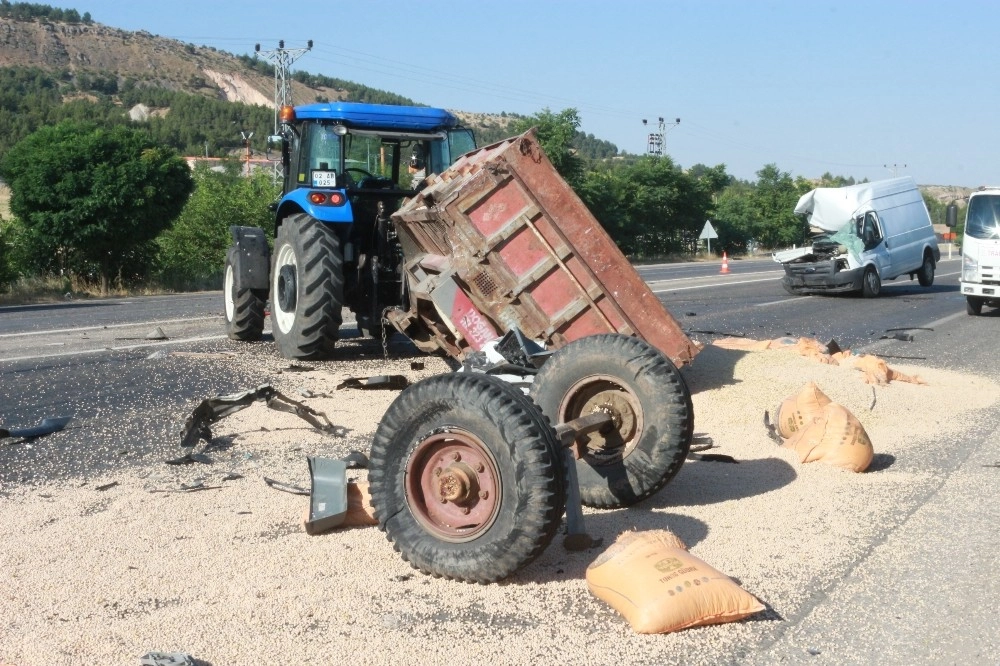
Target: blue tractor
{"type": "Point", "coordinates": [347, 167]}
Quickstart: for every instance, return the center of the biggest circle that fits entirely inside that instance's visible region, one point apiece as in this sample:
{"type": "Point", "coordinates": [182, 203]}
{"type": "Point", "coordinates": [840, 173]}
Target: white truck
{"type": "Point", "coordinates": [864, 234]}
{"type": "Point", "coordinates": [981, 251]}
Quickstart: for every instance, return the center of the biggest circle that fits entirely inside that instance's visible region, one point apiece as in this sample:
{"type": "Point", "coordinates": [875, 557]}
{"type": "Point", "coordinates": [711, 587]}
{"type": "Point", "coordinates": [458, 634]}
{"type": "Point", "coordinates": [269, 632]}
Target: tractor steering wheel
{"type": "Point", "coordinates": [365, 174]}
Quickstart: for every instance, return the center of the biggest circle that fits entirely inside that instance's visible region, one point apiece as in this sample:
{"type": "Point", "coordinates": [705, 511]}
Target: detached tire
{"type": "Point", "coordinates": [244, 310]}
{"type": "Point", "coordinates": [871, 283]}
{"type": "Point", "coordinates": [466, 477]}
{"type": "Point", "coordinates": [307, 288]}
{"type": "Point", "coordinates": [650, 404]}
{"type": "Point", "coordinates": [925, 276]}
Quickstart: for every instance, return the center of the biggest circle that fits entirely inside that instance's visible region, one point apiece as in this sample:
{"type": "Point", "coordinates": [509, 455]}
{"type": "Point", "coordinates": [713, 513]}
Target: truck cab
{"type": "Point", "coordinates": [346, 167]}
{"type": "Point", "coordinates": [980, 282]}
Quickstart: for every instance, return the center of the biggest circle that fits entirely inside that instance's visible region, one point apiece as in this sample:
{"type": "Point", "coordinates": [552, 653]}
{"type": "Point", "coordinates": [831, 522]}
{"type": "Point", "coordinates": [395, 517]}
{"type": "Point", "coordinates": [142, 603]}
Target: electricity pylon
{"type": "Point", "coordinates": [282, 60]}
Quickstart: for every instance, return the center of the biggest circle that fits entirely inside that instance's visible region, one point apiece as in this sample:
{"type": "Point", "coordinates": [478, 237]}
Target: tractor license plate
{"type": "Point", "coordinates": [324, 179]}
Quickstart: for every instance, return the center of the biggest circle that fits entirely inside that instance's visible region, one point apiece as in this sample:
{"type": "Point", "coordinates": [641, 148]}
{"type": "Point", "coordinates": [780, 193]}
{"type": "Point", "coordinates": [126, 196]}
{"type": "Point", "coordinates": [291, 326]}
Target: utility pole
{"type": "Point", "coordinates": [654, 142]}
{"type": "Point", "coordinates": [246, 142]}
{"type": "Point", "coordinates": [893, 167]}
{"type": "Point", "coordinates": [282, 60]}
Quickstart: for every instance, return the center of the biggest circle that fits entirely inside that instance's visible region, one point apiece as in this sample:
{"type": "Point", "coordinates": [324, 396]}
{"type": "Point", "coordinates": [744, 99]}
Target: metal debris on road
{"type": "Point", "coordinates": [285, 487]}
{"type": "Point", "coordinates": [385, 382]}
{"type": "Point", "coordinates": [46, 427]}
{"type": "Point", "coordinates": [214, 409]}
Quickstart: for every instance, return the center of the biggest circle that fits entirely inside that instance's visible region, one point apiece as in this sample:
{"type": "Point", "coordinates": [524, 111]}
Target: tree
{"type": "Point", "coordinates": [650, 207]}
{"type": "Point", "coordinates": [91, 200]}
{"type": "Point", "coordinates": [556, 133]}
{"type": "Point", "coordinates": [192, 252]}
{"type": "Point", "coordinates": [772, 202]}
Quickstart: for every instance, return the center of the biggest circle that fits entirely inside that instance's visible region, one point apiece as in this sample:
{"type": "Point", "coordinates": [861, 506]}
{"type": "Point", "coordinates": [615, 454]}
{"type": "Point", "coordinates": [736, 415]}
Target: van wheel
{"type": "Point", "coordinates": [871, 285]}
{"type": "Point", "coordinates": [973, 306]}
{"type": "Point", "coordinates": [926, 273]}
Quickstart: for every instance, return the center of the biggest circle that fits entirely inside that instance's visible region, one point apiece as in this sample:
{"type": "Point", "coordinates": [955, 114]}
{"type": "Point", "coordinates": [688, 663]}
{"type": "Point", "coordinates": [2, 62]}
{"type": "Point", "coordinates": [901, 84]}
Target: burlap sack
{"type": "Point", "coordinates": [659, 587]}
{"type": "Point", "coordinates": [877, 371]}
{"type": "Point", "coordinates": [835, 437]}
{"type": "Point", "coordinates": [799, 410]}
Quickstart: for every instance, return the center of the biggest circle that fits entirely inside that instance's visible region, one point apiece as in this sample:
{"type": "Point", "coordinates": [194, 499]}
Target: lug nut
{"type": "Point", "coordinates": [480, 467]}
{"type": "Point", "coordinates": [456, 456]}
{"type": "Point", "coordinates": [483, 494]}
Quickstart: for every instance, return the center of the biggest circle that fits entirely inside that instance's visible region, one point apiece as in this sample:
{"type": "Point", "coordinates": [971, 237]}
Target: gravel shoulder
{"type": "Point", "coordinates": [230, 576]}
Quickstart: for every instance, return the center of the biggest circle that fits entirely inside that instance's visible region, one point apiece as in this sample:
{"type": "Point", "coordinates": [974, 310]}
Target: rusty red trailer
{"type": "Point", "coordinates": [500, 240]}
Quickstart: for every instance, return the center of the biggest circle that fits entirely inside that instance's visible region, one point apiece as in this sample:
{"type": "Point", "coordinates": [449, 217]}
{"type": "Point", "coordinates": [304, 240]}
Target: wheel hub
{"type": "Point", "coordinates": [453, 486]}
{"type": "Point", "coordinates": [609, 397]}
{"type": "Point", "coordinates": [286, 288]}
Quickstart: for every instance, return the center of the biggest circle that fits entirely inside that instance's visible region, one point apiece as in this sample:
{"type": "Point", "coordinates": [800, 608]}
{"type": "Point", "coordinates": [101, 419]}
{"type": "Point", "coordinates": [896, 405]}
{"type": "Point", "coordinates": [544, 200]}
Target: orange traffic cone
{"type": "Point", "coordinates": [725, 263]}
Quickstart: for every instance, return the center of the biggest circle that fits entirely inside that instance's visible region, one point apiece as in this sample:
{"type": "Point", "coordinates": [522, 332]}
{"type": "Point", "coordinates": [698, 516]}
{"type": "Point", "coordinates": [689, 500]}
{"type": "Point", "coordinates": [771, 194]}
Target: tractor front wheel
{"type": "Point", "coordinates": [244, 307]}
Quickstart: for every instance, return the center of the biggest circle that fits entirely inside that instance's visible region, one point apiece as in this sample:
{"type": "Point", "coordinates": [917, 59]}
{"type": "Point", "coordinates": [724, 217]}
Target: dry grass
{"type": "Point", "coordinates": [56, 289]}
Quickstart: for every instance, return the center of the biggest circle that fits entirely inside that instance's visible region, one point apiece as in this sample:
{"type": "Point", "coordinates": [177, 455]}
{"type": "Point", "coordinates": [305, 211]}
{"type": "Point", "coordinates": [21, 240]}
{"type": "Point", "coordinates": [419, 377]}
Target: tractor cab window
{"type": "Point", "coordinates": [323, 147]}
{"type": "Point", "coordinates": [372, 161]}
{"type": "Point", "coordinates": [442, 154]}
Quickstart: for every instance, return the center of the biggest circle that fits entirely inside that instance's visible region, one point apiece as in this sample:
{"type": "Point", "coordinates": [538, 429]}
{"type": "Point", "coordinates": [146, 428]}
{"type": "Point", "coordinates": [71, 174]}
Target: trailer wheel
{"type": "Point", "coordinates": [650, 405]}
{"type": "Point", "coordinates": [925, 276]}
{"type": "Point", "coordinates": [307, 288]}
{"type": "Point", "coordinates": [244, 307]}
{"type": "Point", "coordinates": [973, 306]}
{"type": "Point", "coordinates": [871, 284]}
{"type": "Point", "coordinates": [466, 477]}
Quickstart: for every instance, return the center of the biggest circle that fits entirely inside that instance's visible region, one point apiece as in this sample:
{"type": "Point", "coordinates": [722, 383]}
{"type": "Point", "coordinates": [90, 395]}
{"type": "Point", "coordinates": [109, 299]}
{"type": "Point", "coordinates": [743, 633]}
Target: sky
{"type": "Point", "coordinates": [871, 89]}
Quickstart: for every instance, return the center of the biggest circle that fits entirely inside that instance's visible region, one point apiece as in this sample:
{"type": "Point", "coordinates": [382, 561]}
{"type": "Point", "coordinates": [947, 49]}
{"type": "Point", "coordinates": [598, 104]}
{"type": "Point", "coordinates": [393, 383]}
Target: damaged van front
{"type": "Point", "coordinates": [862, 235]}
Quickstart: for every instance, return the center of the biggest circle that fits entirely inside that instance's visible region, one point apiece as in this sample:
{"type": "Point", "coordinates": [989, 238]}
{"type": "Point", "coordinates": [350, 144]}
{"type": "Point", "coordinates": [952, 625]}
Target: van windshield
{"type": "Point", "coordinates": [983, 218]}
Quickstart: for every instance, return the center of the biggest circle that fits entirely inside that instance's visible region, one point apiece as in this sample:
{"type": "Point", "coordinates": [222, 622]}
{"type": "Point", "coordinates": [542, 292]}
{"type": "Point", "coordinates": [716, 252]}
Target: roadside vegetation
{"type": "Point", "coordinates": [101, 203]}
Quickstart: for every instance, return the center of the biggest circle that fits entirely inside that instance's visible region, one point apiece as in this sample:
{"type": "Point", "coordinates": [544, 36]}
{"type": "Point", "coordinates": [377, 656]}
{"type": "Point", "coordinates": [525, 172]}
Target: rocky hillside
{"type": "Point", "coordinates": [75, 50]}
{"type": "Point", "coordinates": [948, 193]}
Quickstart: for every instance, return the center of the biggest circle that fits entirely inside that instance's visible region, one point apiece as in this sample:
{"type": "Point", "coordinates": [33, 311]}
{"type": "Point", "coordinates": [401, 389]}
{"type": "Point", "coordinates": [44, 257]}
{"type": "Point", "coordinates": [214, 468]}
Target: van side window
{"type": "Point", "coordinates": [868, 229]}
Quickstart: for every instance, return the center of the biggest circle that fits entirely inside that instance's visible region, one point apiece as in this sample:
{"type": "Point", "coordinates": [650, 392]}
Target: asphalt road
{"type": "Point", "coordinates": [923, 593]}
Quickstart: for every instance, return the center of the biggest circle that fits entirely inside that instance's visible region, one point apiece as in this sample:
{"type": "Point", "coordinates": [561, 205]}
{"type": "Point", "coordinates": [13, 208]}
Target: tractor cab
{"type": "Point", "coordinates": [346, 168]}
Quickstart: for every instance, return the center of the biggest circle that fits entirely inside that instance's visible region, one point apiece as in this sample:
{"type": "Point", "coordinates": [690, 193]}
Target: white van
{"type": "Point", "coordinates": [865, 234]}
{"type": "Point", "coordinates": [981, 251]}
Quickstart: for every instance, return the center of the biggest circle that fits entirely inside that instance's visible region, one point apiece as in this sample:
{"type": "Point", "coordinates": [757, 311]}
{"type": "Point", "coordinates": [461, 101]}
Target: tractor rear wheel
{"type": "Point", "coordinates": [307, 288]}
{"type": "Point", "coordinates": [466, 477]}
{"type": "Point", "coordinates": [650, 406]}
{"type": "Point", "coordinates": [244, 307]}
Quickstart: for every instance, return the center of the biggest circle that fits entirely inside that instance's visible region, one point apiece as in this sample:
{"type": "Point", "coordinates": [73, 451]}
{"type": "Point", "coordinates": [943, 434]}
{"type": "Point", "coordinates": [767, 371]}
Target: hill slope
{"type": "Point", "coordinates": [82, 51]}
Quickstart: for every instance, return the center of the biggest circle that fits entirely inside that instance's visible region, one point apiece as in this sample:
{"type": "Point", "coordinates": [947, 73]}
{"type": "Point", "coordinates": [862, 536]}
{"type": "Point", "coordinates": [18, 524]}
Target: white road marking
{"type": "Point", "coordinates": [718, 284]}
{"type": "Point", "coordinates": [99, 328]}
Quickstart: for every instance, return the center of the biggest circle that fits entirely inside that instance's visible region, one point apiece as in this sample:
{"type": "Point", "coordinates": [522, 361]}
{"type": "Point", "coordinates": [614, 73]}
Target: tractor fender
{"type": "Point", "coordinates": [253, 258]}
